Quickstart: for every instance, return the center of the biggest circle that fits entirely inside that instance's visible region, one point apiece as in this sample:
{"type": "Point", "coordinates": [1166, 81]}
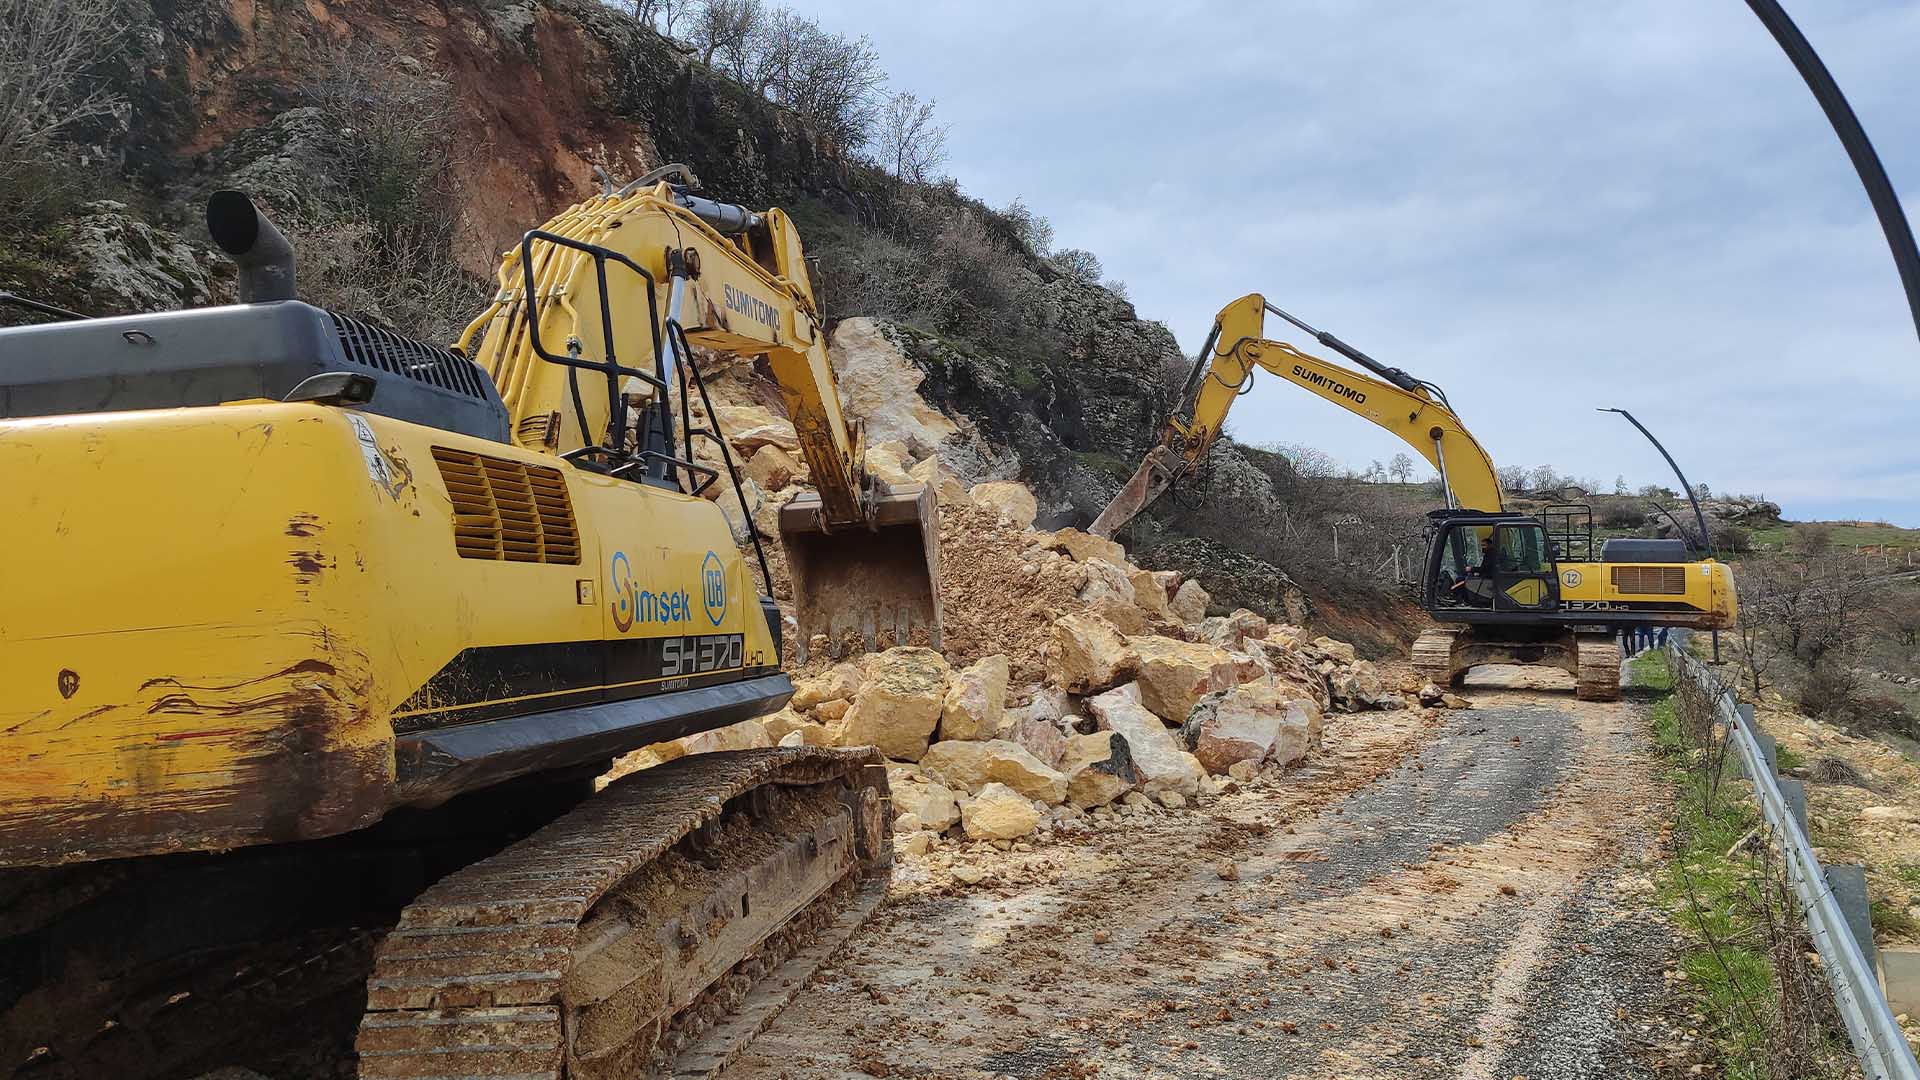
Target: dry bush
{"type": "Point", "coordinates": [381, 246]}
{"type": "Point", "coordinates": [46, 50]}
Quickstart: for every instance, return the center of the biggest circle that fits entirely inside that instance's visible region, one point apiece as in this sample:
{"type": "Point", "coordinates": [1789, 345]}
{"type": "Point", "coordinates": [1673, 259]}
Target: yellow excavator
{"type": "Point", "coordinates": [280, 582]}
{"type": "Point", "coordinates": [1507, 587]}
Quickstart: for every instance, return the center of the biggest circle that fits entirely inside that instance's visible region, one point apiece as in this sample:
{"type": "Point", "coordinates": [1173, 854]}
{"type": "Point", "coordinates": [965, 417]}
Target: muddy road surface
{"type": "Point", "coordinates": [1437, 894]}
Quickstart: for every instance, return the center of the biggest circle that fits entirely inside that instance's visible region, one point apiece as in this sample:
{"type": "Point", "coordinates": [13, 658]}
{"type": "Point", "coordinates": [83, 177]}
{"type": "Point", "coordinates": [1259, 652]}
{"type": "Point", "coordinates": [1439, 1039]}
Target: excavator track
{"type": "Point", "coordinates": [1433, 655]}
{"type": "Point", "coordinates": [1599, 662]}
{"type": "Point", "coordinates": [613, 938]}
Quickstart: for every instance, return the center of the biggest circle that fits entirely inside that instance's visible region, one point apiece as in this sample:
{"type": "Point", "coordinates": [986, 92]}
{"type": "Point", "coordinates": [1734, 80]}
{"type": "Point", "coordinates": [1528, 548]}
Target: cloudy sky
{"type": "Point", "coordinates": [1542, 207]}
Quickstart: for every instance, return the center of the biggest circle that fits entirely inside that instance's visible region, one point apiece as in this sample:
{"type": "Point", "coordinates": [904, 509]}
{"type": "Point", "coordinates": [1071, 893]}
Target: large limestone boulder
{"type": "Point", "coordinates": [898, 706]}
{"type": "Point", "coordinates": [930, 802]}
{"type": "Point", "coordinates": [1175, 675]}
{"type": "Point", "coordinates": [1190, 603]}
{"type": "Point", "coordinates": [1294, 666]}
{"type": "Point", "coordinates": [976, 700]}
{"type": "Point", "coordinates": [1085, 547]}
{"type": "Point", "coordinates": [1299, 731]}
{"type": "Point", "coordinates": [880, 387]}
{"type": "Point", "coordinates": [1156, 754]}
{"type": "Point", "coordinates": [1010, 498]}
{"type": "Point", "coordinates": [1099, 769]}
{"type": "Point", "coordinates": [1109, 591]}
{"type": "Point", "coordinates": [751, 427]}
{"type": "Point", "coordinates": [971, 766]}
{"type": "Point", "coordinates": [1087, 653]}
{"type": "Point", "coordinates": [1337, 651]}
{"type": "Point", "coordinates": [1241, 724]}
{"type": "Point", "coordinates": [999, 813]}
{"type": "Point", "coordinates": [889, 462]}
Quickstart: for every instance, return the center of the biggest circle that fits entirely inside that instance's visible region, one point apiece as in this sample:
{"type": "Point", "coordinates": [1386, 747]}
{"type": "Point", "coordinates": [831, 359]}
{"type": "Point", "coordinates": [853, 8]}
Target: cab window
{"type": "Point", "coordinates": [1521, 549]}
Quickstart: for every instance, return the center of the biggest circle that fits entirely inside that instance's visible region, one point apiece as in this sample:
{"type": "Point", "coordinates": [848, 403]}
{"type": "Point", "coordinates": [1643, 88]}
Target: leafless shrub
{"type": "Point", "coordinates": [723, 31]}
{"type": "Point", "coordinates": [909, 142]}
{"type": "Point", "coordinates": [46, 49]}
{"type": "Point", "coordinates": [382, 246]}
{"type": "Point", "coordinates": [665, 16]}
{"type": "Point", "coordinates": [1079, 264]}
{"type": "Point", "coordinates": [1033, 230]}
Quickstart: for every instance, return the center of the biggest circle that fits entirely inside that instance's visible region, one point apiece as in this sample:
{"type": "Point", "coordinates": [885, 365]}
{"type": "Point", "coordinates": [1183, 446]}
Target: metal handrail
{"type": "Point", "coordinates": [1877, 1039]}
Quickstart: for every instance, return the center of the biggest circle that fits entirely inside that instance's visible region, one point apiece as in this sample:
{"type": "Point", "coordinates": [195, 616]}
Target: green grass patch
{"type": "Point", "coordinates": [1708, 892]}
{"type": "Point", "coordinates": [1649, 670]}
{"type": "Point", "coordinates": [1891, 919]}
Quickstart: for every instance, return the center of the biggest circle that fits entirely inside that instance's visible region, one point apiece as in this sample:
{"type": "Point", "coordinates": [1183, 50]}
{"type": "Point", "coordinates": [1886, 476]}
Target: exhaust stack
{"type": "Point", "coordinates": [264, 256]}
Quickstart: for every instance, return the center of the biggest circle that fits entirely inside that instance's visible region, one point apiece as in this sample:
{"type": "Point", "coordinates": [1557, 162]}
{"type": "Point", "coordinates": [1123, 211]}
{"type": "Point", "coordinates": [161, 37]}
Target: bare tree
{"type": "Point", "coordinates": [910, 143]}
{"type": "Point", "coordinates": [1401, 467]}
{"type": "Point", "coordinates": [724, 29]}
{"type": "Point", "coordinates": [834, 86]}
{"type": "Point", "coordinates": [1079, 264]}
{"type": "Point", "coordinates": [664, 16]}
{"type": "Point", "coordinates": [1035, 231]}
{"type": "Point", "coordinates": [46, 48]}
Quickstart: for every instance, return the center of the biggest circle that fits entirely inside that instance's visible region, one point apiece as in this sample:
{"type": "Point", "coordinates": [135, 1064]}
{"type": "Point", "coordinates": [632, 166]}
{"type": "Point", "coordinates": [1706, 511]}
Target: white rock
{"type": "Point", "coordinates": [976, 700]}
{"type": "Point", "coordinates": [972, 766]}
{"type": "Point", "coordinates": [1175, 675]}
{"type": "Point", "coordinates": [1156, 754]}
{"type": "Point", "coordinates": [1190, 603]}
{"type": "Point", "coordinates": [999, 813]}
{"type": "Point", "coordinates": [1010, 498]}
{"type": "Point", "coordinates": [880, 387]}
{"type": "Point", "coordinates": [932, 803]}
{"type": "Point", "coordinates": [1087, 653]}
{"type": "Point", "coordinates": [898, 707]}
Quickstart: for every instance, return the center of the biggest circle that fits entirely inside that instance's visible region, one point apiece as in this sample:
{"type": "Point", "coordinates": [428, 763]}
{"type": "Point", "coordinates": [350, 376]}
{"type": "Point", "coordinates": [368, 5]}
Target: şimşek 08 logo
{"type": "Point", "coordinates": [632, 604]}
{"type": "Point", "coordinates": [713, 587]}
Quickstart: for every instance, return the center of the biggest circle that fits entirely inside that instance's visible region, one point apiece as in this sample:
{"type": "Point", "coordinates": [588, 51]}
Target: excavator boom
{"type": "Point", "coordinates": [631, 282]}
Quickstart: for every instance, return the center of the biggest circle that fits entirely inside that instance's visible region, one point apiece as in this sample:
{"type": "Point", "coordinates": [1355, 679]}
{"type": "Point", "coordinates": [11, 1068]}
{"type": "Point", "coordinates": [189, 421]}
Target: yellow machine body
{"type": "Point", "coordinates": [244, 624]}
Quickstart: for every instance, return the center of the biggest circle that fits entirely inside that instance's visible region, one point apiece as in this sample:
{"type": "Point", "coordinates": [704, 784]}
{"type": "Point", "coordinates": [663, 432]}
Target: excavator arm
{"type": "Point", "coordinates": [591, 330]}
{"type": "Point", "coordinates": [1415, 411]}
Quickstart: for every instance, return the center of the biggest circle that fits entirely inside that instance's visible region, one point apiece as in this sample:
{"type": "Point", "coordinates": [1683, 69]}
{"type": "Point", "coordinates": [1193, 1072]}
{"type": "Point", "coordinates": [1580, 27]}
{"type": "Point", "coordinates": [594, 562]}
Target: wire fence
{"type": "Point", "coordinates": [1871, 1028]}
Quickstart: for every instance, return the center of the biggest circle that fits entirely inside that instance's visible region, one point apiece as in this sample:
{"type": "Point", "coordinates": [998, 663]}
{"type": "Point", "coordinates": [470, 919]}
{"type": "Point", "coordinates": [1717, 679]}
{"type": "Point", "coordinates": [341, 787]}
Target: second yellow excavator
{"type": "Point", "coordinates": [1507, 587]}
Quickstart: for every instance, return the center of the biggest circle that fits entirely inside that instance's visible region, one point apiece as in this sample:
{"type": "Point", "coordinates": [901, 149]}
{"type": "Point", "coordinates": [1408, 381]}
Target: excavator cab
{"type": "Point", "coordinates": [1485, 567]}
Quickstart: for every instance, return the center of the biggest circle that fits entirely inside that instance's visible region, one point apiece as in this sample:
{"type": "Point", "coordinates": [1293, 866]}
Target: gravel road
{"type": "Point", "coordinates": [1452, 894]}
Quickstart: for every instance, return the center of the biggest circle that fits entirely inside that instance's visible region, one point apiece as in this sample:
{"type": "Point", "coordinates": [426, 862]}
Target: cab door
{"type": "Point", "coordinates": [1524, 577]}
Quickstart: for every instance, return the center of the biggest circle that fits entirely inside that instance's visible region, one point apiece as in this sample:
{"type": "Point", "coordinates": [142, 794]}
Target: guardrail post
{"type": "Point", "coordinates": [1849, 885]}
{"type": "Point", "coordinates": [1794, 794]}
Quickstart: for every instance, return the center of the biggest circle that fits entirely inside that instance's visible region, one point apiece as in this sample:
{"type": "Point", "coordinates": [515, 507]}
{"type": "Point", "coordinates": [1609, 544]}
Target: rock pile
{"type": "Point", "coordinates": [1071, 680]}
{"type": "Point", "coordinates": [1128, 692]}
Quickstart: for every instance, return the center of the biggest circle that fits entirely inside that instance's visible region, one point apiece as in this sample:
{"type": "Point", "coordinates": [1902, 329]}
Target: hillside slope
{"type": "Point", "coordinates": [403, 145]}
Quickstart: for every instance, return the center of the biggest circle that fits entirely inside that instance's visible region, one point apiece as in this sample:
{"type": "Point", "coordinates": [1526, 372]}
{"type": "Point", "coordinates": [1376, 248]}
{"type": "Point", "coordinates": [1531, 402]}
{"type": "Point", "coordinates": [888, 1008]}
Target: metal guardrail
{"type": "Point", "coordinates": [1877, 1039]}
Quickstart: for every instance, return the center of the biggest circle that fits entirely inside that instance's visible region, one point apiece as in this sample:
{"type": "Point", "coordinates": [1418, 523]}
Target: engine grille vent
{"type": "Point", "coordinates": [1664, 580]}
{"type": "Point", "coordinates": [401, 355]}
{"type": "Point", "coordinates": [508, 511]}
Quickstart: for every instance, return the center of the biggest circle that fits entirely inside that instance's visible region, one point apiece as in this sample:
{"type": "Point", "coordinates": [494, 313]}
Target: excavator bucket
{"type": "Point", "coordinates": [865, 582]}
